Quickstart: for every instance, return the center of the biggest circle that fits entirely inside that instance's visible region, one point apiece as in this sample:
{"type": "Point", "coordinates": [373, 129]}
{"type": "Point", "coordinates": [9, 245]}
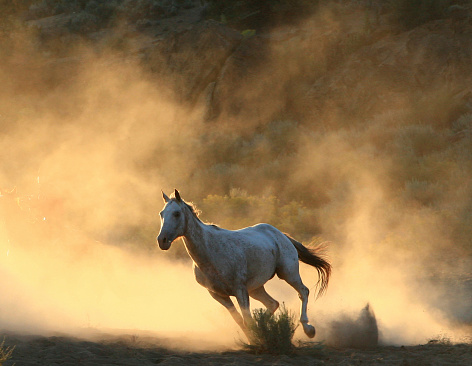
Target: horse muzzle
{"type": "Point", "coordinates": [164, 242]}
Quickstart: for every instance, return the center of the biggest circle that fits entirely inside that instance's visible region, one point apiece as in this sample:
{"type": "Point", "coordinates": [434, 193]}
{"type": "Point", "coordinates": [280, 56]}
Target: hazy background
{"type": "Point", "coordinates": [90, 133]}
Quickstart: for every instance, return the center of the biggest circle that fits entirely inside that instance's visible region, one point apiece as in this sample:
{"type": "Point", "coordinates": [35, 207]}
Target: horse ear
{"type": "Point", "coordinates": [177, 195]}
{"type": "Point", "coordinates": [164, 196]}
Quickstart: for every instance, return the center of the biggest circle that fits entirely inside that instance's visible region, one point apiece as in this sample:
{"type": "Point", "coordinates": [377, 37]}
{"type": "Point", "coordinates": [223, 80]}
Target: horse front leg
{"type": "Point", "coordinates": [228, 304]}
{"type": "Point", "coordinates": [260, 294]}
{"type": "Point", "coordinates": [242, 296]}
{"type": "Point", "coordinates": [222, 299]}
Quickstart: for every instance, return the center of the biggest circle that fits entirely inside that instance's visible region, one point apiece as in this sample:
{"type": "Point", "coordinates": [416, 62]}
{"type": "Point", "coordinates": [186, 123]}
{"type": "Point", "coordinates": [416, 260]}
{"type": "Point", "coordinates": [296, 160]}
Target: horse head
{"type": "Point", "coordinates": [172, 220]}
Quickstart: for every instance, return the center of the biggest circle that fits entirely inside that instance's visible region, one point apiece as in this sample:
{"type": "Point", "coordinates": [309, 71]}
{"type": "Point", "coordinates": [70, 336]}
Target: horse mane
{"type": "Point", "coordinates": [190, 205]}
{"type": "Point", "coordinates": [194, 210]}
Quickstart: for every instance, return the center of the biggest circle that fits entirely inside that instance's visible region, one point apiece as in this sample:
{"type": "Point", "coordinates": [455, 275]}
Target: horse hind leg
{"type": "Point", "coordinates": [261, 295]}
{"type": "Point", "coordinates": [294, 280]}
{"type": "Point", "coordinates": [303, 293]}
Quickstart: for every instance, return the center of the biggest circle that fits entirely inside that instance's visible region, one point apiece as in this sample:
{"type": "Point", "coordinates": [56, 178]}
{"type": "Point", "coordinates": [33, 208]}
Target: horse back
{"type": "Point", "coordinates": [270, 242]}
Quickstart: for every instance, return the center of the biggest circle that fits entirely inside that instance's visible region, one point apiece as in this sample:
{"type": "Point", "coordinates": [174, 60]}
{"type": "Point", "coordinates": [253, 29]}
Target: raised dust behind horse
{"type": "Point", "coordinates": [239, 262]}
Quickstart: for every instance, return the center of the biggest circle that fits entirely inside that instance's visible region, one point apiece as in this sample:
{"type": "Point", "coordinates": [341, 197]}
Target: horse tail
{"type": "Point", "coordinates": [312, 257]}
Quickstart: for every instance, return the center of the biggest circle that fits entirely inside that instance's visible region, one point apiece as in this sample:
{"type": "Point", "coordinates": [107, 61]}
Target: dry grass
{"type": "Point", "coordinates": [5, 352]}
{"type": "Point", "coordinates": [272, 333]}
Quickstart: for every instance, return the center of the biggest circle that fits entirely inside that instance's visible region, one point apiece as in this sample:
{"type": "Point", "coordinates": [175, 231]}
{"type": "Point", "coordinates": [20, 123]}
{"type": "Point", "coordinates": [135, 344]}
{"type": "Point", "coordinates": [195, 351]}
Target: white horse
{"type": "Point", "coordinates": [239, 263]}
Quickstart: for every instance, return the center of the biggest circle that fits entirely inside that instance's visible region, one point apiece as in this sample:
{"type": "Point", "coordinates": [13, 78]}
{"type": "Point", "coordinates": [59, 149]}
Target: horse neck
{"type": "Point", "coordinates": [194, 238]}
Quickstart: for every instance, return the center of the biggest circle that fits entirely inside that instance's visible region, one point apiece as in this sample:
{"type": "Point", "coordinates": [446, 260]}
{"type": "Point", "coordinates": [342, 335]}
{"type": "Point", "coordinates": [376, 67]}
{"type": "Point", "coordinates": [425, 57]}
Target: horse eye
{"type": "Point", "coordinates": [177, 214]}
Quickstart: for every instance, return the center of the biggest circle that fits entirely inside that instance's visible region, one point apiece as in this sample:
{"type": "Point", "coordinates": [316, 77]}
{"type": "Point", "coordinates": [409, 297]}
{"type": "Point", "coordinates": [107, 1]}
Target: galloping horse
{"type": "Point", "coordinates": [238, 263]}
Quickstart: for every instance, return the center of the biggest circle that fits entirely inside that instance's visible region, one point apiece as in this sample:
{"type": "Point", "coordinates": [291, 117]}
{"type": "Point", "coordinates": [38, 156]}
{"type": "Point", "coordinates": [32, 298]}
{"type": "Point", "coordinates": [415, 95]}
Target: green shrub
{"type": "Point", "coordinates": [421, 140]}
{"type": "Point", "coordinates": [462, 124]}
{"type": "Point", "coordinates": [258, 12]}
{"type": "Point", "coordinates": [144, 9]}
{"type": "Point", "coordinates": [412, 13]}
{"type": "Point", "coordinates": [104, 10]}
{"type": "Point", "coordinates": [83, 23]}
{"type": "Point", "coordinates": [10, 7]}
{"type": "Point", "coordinates": [272, 333]}
{"type": "Point", "coordinates": [239, 209]}
{"type": "Point", "coordinates": [96, 14]}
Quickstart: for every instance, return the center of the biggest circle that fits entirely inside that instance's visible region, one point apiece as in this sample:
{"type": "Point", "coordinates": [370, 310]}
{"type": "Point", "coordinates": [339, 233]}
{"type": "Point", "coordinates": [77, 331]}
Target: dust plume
{"type": "Point", "coordinates": [355, 333]}
{"type": "Point", "coordinates": [386, 252]}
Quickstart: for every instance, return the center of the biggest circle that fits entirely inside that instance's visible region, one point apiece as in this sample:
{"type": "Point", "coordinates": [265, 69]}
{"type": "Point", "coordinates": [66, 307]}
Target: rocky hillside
{"type": "Point", "coordinates": [308, 66]}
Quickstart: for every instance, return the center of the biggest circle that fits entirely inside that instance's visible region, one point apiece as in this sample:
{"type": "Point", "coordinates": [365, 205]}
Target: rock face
{"type": "Point", "coordinates": [320, 70]}
{"type": "Point", "coordinates": [393, 67]}
{"type": "Point", "coordinates": [236, 83]}
{"type": "Point", "coordinates": [308, 72]}
{"type": "Point", "coordinates": [194, 58]}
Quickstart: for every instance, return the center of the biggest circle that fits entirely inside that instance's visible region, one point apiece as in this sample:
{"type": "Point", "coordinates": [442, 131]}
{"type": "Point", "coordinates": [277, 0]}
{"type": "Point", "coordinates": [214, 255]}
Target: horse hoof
{"type": "Point", "coordinates": [309, 330]}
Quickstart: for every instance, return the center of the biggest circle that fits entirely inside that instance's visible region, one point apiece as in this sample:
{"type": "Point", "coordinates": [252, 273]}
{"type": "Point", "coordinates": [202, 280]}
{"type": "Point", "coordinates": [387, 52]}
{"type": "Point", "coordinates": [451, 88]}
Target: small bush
{"type": "Point", "coordinates": [441, 339]}
{"type": "Point", "coordinates": [462, 124]}
{"type": "Point", "coordinates": [256, 13]}
{"type": "Point", "coordinates": [240, 209]}
{"type": "Point", "coordinates": [272, 333]}
{"type": "Point", "coordinates": [12, 7]}
{"type": "Point", "coordinates": [420, 140]}
{"type": "Point", "coordinates": [103, 10]}
{"type": "Point", "coordinates": [5, 352]}
{"type": "Point", "coordinates": [83, 23]}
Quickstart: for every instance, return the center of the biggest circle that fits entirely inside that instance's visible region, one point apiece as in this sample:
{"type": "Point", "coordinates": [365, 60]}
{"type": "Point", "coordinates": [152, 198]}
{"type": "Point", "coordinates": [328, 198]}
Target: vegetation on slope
{"type": "Point", "coordinates": [336, 129]}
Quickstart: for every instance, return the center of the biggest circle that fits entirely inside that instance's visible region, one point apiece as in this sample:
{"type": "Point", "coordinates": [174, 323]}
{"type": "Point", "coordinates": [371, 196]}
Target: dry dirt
{"type": "Point", "coordinates": [132, 349]}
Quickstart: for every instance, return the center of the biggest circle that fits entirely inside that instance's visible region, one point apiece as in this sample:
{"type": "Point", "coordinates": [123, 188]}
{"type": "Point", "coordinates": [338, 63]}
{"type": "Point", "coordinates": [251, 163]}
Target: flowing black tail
{"type": "Point", "coordinates": [313, 258]}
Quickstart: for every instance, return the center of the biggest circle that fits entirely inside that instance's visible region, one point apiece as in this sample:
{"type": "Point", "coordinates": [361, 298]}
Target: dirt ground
{"type": "Point", "coordinates": [136, 350]}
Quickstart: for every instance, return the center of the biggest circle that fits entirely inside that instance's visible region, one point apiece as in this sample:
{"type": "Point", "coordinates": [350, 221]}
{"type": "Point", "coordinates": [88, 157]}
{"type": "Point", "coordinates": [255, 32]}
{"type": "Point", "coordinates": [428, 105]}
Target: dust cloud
{"type": "Point", "coordinates": [88, 286]}
{"type": "Point", "coordinates": [379, 257]}
{"type": "Point", "coordinates": [73, 252]}
{"type": "Point", "coordinates": [90, 154]}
